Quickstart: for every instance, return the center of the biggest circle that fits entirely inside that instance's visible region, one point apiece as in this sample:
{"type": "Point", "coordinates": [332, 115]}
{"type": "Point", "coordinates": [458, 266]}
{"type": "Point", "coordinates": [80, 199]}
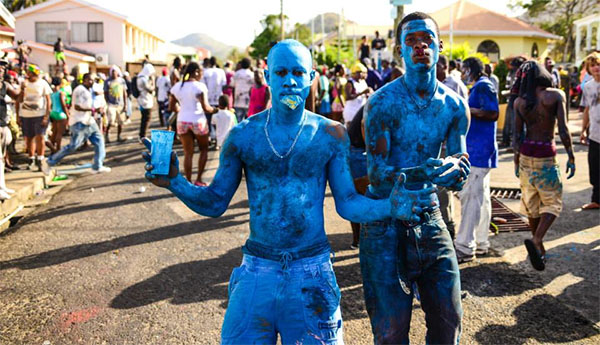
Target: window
{"type": "Point", "coordinates": [95, 32]}
{"type": "Point", "coordinates": [48, 32]}
{"type": "Point", "coordinates": [534, 50]}
{"type": "Point", "coordinates": [87, 32]}
{"type": "Point", "coordinates": [490, 49]}
{"type": "Point", "coordinates": [79, 31]}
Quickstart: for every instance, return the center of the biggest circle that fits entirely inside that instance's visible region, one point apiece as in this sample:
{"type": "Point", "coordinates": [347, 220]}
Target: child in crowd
{"type": "Point", "coordinates": [224, 120]}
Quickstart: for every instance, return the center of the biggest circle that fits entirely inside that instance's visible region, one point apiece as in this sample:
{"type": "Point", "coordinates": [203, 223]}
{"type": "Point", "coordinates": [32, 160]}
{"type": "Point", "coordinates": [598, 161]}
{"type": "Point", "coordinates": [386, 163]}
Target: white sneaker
{"type": "Point", "coordinates": [4, 195]}
{"type": "Point", "coordinates": [101, 170]}
{"type": "Point", "coordinates": [45, 167]}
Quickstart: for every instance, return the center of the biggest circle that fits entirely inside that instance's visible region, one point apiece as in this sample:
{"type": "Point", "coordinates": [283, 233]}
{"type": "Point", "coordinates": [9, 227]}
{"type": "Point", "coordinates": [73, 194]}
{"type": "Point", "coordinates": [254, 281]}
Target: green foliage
{"type": "Point", "coordinates": [461, 51]}
{"type": "Point", "coordinates": [464, 51]}
{"type": "Point", "coordinates": [271, 33]}
{"type": "Point", "coordinates": [301, 33]}
{"type": "Point", "coordinates": [557, 17]}
{"type": "Point", "coordinates": [330, 57]}
{"type": "Point", "coordinates": [501, 71]}
{"type": "Point", "coordinates": [16, 5]}
{"type": "Point", "coordinates": [235, 55]}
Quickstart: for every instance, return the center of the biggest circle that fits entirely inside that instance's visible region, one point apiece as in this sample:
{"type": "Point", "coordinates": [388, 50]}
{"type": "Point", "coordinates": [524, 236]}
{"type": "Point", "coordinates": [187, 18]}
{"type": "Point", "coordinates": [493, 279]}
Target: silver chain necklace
{"type": "Point", "coordinates": [295, 139]}
{"type": "Point", "coordinates": [414, 101]}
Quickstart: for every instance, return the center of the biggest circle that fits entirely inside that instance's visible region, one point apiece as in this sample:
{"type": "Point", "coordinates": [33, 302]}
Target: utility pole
{"type": "Point", "coordinates": [281, 20]}
{"type": "Point", "coordinates": [399, 15]}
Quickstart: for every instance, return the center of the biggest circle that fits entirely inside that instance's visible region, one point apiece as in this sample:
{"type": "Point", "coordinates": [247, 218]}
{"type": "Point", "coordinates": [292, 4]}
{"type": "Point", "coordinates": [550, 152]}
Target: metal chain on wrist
{"type": "Point", "coordinates": [295, 139]}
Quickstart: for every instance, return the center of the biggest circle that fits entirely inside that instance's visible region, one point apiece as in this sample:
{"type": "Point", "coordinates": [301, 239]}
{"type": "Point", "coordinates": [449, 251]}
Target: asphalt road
{"type": "Point", "coordinates": [119, 266]}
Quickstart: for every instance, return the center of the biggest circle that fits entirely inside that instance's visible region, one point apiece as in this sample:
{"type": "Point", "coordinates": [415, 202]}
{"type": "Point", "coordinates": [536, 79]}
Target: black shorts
{"type": "Point", "coordinates": [32, 126]}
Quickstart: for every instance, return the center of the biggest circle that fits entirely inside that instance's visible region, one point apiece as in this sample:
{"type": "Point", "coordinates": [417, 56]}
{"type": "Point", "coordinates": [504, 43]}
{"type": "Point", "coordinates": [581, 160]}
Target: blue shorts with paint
{"type": "Point", "coordinates": [297, 299]}
{"type": "Point", "coordinates": [395, 254]}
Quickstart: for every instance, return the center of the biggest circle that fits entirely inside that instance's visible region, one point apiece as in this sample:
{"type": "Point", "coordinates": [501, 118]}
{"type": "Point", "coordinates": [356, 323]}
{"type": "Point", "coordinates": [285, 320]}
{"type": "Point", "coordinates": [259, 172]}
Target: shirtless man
{"type": "Point", "coordinates": [539, 107]}
{"type": "Point", "coordinates": [406, 123]}
{"type": "Point", "coordinates": [286, 283]}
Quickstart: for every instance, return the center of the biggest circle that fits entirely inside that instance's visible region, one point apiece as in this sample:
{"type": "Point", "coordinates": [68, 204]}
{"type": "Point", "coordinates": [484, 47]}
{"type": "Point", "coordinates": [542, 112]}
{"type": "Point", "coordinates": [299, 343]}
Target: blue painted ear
{"type": "Point", "coordinates": [312, 75]}
{"type": "Point", "coordinates": [266, 71]}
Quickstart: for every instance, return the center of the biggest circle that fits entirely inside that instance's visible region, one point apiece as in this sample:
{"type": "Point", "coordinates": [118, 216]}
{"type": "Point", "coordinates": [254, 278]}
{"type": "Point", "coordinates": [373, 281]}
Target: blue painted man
{"type": "Point", "coordinates": [285, 284]}
{"type": "Point", "coordinates": [406, 123]}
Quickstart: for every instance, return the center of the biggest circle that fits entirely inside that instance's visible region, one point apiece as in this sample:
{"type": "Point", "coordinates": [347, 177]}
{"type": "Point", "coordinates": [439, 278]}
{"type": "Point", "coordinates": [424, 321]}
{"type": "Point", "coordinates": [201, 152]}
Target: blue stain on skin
{"type": "Point", "coordinates": [408, 119]}
{"type": "Point", "coordinates": [286, 195]}
{"type": "Point", "coordinates": [547, 178]}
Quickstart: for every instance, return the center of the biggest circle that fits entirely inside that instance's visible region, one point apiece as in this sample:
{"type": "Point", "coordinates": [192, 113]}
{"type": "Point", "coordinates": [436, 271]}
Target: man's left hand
{"type": "Point", "coordinates": [454, 180]}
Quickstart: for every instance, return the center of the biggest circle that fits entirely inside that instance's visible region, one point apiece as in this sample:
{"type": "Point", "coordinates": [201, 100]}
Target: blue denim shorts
{"type": "Point", "coordinates": [298, 299]}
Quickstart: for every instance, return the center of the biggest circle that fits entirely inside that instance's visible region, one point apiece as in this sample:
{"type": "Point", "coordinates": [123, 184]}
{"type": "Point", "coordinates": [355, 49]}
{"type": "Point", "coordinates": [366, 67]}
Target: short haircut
{"type": "Point", "coordinates": [245, 63]}
{"type": "Point", "coordinates": [224, 101]}
{"type": "Point", "coordinates": [592, 58]}
{"type": "Point", "coordinates": [414, 16]}
{"type": "Point", "coordinates": [87, 75]}
{"type": "Point", "coordinates": [451, 64]}
{"type": "Point", "coordinates": [213, 61]}
{"type": "Point", "coordinates": [443, 59]}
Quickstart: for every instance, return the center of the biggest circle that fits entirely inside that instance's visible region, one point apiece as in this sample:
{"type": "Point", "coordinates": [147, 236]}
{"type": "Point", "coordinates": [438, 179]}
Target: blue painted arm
{"type": "Point", "coordinates": [212, 200]}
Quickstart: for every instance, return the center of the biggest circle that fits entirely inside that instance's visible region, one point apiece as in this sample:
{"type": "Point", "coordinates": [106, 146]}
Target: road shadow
{"type": "Point", "coordinates": [64, 211]}
{"type": "Point", "coordinates": [203, 280]}
{"type": "Point", "coordinates": [542, 318]}
{"type": "Point", "coordinates": [66, 254]}
{"type": "Point", "coordinates": [184, 283]}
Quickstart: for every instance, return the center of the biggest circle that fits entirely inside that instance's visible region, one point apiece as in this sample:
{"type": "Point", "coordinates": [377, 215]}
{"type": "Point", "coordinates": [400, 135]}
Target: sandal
{"type": "Point", "coordinates": [538, 261]}
{"type": "Point", "coordinates": [591, 206]}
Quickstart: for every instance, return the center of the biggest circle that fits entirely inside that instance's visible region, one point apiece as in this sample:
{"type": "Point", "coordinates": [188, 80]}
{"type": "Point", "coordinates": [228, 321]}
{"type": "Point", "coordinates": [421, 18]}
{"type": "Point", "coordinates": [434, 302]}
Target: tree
{"type": "Point", "coordinates": [301, 33]}
{"type": "Point", "coordinates": [269, 36]}
{"type": "Point", "coordinates": [557, 17]}
{"type": "Point", "coordinates": [16, 5]}
{"type": "Point", "coordinates": [235, 55]}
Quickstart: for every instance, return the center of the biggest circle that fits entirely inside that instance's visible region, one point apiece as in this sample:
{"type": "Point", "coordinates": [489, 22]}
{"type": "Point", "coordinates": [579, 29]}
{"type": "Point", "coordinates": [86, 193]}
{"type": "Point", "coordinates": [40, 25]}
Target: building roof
{"type": "Point", "coordinates": [7, 16]}
{"type": "Point", "coordinates": [81, 3]}
{"type": "Point", "coordinates": [588, 20]}
{"type": "Point", "coordinates": [7, 31]}
{"type": "Point", "coordinates": [69, 51]}
{"type": "Point", "coordinates": [473, 20]}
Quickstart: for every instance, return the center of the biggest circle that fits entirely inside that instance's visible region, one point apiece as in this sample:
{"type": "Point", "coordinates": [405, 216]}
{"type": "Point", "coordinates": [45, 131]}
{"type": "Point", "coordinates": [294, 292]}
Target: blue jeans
{"type": "Point", "coordinates": [394, 255]}
{"type": "Point", "coordinates": [299, 299]}
{"type": "Point", "coordinates": [79, 134]}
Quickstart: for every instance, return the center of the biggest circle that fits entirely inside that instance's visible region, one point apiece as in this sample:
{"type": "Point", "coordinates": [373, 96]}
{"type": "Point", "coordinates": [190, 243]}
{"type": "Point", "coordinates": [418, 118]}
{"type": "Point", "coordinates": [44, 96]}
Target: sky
{"type": "Point", "coordinates": [236, 22]}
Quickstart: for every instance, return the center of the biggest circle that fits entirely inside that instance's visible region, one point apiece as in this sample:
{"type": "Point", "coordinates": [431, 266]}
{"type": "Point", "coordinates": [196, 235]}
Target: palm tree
{"type": "Point", "coordinates": [16, 5]}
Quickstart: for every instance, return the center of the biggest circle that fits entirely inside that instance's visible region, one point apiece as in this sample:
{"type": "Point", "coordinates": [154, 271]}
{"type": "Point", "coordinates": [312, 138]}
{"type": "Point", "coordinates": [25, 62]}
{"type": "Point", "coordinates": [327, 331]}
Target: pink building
{"type": "Point", "coordinates": [86, 30]}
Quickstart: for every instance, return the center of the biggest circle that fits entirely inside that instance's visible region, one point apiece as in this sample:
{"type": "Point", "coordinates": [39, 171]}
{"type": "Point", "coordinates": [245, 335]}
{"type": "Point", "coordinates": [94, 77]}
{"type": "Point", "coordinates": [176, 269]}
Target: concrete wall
{"type": "Point", "coordinates": [45, 59]}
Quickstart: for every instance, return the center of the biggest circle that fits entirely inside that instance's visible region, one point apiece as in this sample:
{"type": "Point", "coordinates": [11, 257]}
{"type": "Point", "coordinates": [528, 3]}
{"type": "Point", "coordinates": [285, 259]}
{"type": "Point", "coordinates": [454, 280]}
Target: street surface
{"type": "Point", "coordinates": [107, 263]}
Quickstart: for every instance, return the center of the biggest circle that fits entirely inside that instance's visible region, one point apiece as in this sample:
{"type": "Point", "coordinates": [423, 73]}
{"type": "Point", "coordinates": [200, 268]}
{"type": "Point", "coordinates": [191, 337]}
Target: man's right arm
{"type": "Point", "coordinates": [212, 200]}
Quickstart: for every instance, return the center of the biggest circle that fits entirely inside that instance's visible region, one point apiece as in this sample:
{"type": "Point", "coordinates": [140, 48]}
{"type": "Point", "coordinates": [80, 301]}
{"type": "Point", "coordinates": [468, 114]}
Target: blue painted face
{"type": "Point", "coordinates": [421, 45]}
{"type": "Point", "coordinates": [290, 74]}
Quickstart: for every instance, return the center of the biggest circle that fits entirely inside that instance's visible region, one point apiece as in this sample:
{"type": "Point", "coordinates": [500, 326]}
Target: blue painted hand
{"type": "Point", "coordinates": [570, 168]}
{"type": "Point", "coordinates": [159, 180]}
{"type": "Point", "coordinates": [409, 204]}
